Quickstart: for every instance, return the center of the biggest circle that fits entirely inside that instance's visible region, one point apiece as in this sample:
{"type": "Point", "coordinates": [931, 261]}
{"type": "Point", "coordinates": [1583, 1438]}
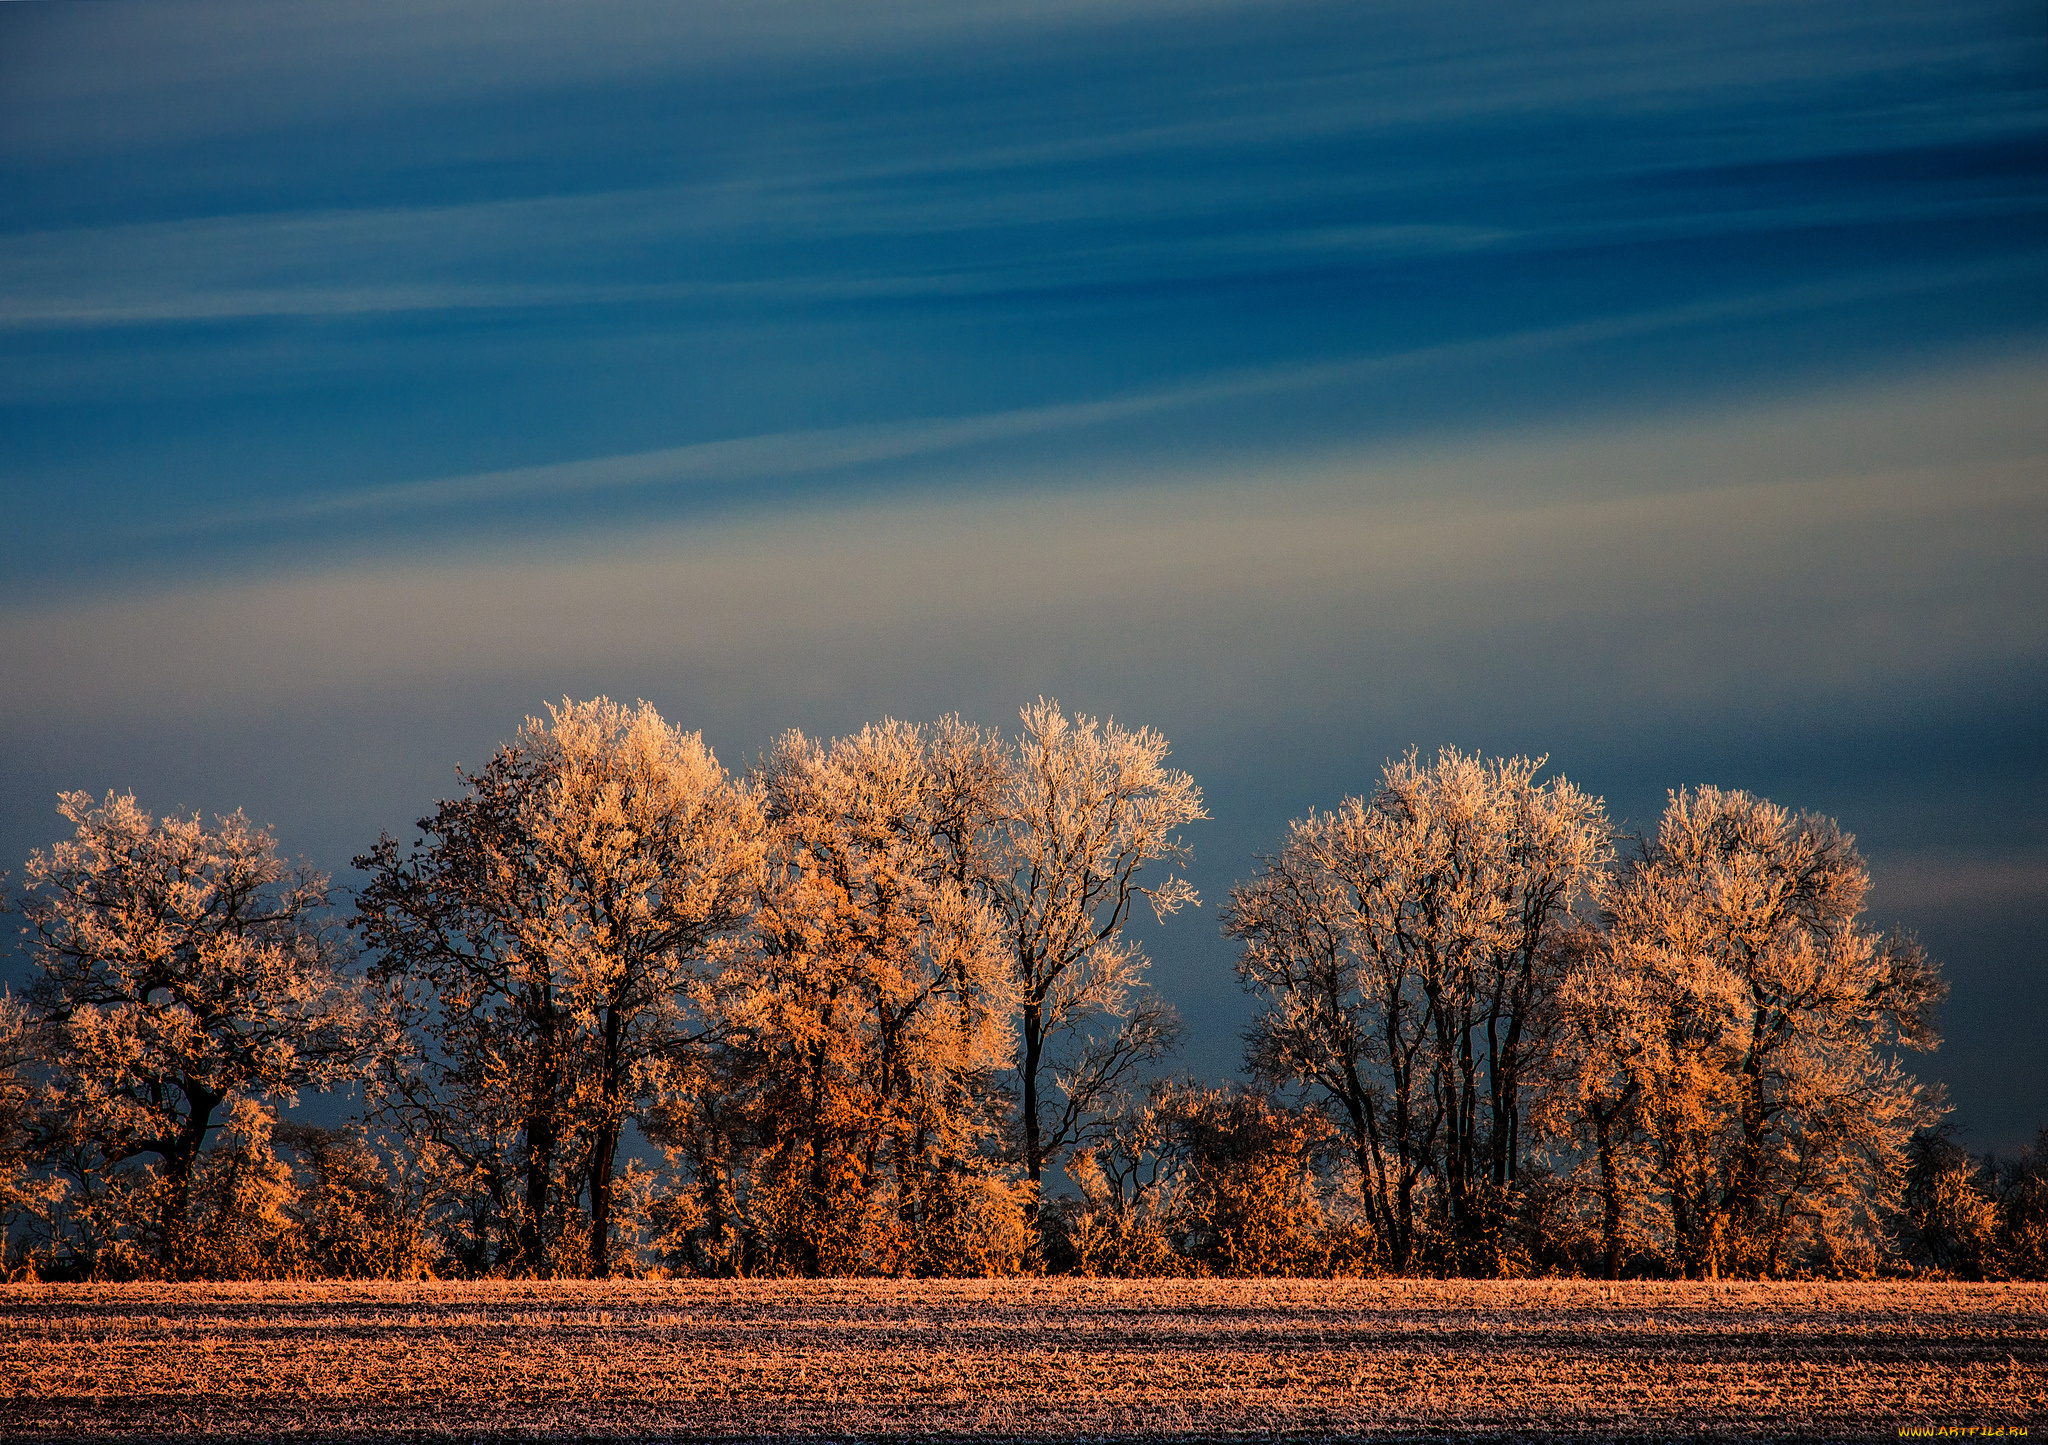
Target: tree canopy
{"type": "Point", "coordinates": [873, 1006]}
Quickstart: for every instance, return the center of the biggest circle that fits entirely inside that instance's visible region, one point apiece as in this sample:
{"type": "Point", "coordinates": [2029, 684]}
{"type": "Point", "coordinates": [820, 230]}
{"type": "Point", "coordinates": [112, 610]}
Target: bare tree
{"type": "Point", "coordinates": [1084, 808]}
{"type": "Point", "coordinates": [1409, 948]}
{"type": "Point", "coordinates": [1778, 1116]}
{"type": "Point", "coordinates": [551, 935]}
{"type": "Point", "coordinates": [183, 968]}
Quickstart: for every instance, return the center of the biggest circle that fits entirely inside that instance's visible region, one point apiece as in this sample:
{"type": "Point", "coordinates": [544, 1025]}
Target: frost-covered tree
{"type": "Point", "coordinates": [867, 1024]}
{"type": "Point", "coordinates": [551, 938]}
{"type": "Point", "coordinates": [1251, 1201]}
{"type": "Point", "coordinates": [1767, 1016]}
{"type": "Point", "coordinates": [2019, 1186]}
{"type": "Point", "coordinates": [242, 1203]}
{"type": "Point", "coordinates": [182, 969]}
{"type": "Point", "coordinates": [1408, 948]}
{"type": "Point", "coordinates": [649, 853]}
{"type": "Point", "coordinates": [1208, 1181]}
{"type": "Point", "coordinates": [1603, 1048]}
{"type": "Point", "coordinates": [1947, 1220]}
{"type": "Point", "coordinates": [1082, 809]}
{"type": "Point", "coordinates": [360, 1210]}
{"type": "Point", "coordinates": [26, 1195]}
{"type": "Point", "coordinates": [1132, 1175]}
{"type": "Point", "coordinates": [482, 1087]}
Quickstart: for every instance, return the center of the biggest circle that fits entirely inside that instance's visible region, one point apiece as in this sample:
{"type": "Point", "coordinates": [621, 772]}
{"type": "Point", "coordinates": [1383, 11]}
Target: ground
{"type": "Point", "coordinates": [1017, 1360]}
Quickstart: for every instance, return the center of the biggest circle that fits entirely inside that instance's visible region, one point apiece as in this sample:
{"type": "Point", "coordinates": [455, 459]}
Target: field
{"type": "Point", "coordinates": [1021, 1360]}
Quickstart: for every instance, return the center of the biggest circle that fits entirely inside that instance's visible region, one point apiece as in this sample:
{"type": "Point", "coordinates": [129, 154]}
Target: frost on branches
{"type": "Point", "coordinates": [1758, 1020]}
{"type": "Point", "coordinates": [849, 1120]}
{"type": "Point", "coordinates": [1408, 948]}
{"type": "Point", "coordinates": [866, 1001]}
{"type": "Point", "coordinates": [550, 941]}
{"type": "Point", "coordinates": [184, 973]}
{"type": "Point", "coordinates": [1085, 808]}
{"type": "Point", "coordinates": [1493, 1017]}
{"type": "Point", "coordinates": [939, 990]}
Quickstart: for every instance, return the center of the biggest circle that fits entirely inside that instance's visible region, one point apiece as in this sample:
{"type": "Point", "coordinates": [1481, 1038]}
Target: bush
{"type": "Point", "coordinates": [356, 1215]}
{"type": "Point", "coordinates": [2019, 1189]}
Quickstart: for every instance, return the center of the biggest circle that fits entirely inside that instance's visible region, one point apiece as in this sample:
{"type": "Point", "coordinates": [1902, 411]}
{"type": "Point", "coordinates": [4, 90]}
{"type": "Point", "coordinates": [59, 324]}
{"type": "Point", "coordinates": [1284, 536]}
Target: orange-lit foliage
{"type": "Point", "coordinates": [184, 974]}
{"type": "Point", "coordinates": [870, 999]}
{"type": "Point", "coordinates": [847, 1123]}
{"type": "Point", "coordinates": [1764, 1017]}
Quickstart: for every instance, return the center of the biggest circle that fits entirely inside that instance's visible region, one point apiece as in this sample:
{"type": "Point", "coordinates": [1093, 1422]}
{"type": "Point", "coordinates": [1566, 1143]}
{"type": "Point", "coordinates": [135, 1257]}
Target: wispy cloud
{"type": "Point", "coordinates": [1730, 540]}
{"type": "Point", "coordinates": [223, 68]}
{"type": "Point", "coordinates": [751, 245]}
{"type": "Point", "coordinates": [1923, 880]}
{"type": "Point", "coordinates": [796, 455]}
{"type": "Point", "coordinates": [1334, 139]}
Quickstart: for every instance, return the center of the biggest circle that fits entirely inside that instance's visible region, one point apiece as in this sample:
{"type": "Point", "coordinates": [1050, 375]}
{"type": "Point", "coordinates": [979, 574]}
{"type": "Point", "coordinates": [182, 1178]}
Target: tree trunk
{"type": "Point", "coordinates": [605, 1148]}
{"type": "Point", "coordinates": [542, 1132]}
{"type": "Point", "coordinates": [818, 1181]}
{"type": "Point", "coordinates": [1034, 1158]}
{"type": "Point", "coordinates": [1610, 1197]}
{"type": "Point", "coordinates": [1499, 1087]}
{"type": "Point", "coordinates": [174, 1213]}
{"type": "Point", "coordinates": [1404, 1170]}
{"type": "Point", "coordinates": [540, 1155]}
{"type": "Point", "coordinates": [541, 1139]}
{"type": "Point", "coordinates": [1504, 1079]}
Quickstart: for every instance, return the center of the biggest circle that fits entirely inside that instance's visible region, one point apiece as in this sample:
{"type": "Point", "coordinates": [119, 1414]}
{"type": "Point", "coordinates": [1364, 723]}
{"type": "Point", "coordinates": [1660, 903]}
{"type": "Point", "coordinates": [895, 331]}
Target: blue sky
{"type": "Point", "coordinates": [1662, 387]}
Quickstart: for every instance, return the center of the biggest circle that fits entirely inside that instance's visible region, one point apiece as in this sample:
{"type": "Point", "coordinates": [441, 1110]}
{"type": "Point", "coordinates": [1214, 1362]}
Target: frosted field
{"type": "Point", "coordinates": [1021, 1359]}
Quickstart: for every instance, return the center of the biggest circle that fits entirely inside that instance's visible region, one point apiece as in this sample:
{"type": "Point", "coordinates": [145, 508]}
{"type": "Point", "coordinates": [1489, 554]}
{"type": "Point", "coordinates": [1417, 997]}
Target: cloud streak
{"type": "Point", "coordinates": [798, 455]}
{"type": "Point", "coordinates": [224, 68]}
{"type": "Point", "coordinates": [1754, 583]}
{"type": "Point", "coordinates": [541, 254]}
{"type": "Point", "coordinates": [805, 188]}
{"type": "Point", "coordinates": [1919, 880]}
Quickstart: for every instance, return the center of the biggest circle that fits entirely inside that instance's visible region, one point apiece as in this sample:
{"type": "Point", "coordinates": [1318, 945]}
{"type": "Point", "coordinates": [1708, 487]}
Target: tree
{"type": "Point", "coordinates": [868, 1020]}
{"type": "Point", "coordinates": [2019, 1189]}
{"type": "Point", "coordinates": [360, 1216]}
{"type": "Point", "coordinates": [650, 855]}
{"type": "Point", "coordinates": [551, 937]}
{"type": "Point", "coordinates": [182, 969]}
{"type": "Point", "coordinates": [1947, 1221]}
{"type": "Point", "coordinates": [1251, 1205]}
{"type": "Point", "coordinates": [1603, 1046]}
{"type": "Point", "coordinates": [242, 1203]}
{"type": "Point", "coordinates": [26, 1196]}
{"type": "Point", "coordinates": [1082, 808]}
{"type": "Point", "coordinates": [1409, 949]}
{"type": "Point", "coordinates": [480, 1088]}
{"type": "Point", "coordinates": [1132, 1181]}
{"type": "Point", "coordinates": [1777, 1115]}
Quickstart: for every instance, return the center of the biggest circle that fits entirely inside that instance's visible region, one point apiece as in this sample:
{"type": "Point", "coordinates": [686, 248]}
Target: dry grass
{"type": "Point", "coordinates": [1020, 1359]}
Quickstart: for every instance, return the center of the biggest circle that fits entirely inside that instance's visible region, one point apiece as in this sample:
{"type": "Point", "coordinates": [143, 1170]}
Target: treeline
{"type": "Point", "coordinates": [861, 1009]}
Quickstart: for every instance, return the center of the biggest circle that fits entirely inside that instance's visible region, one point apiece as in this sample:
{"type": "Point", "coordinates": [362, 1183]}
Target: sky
{"type": "Point", "coordinates": [1658, 387]}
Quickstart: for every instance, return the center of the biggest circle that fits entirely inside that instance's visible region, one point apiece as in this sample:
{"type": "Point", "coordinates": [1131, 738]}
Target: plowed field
{"type": "Point", "coordinates": [1019, 1360]}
